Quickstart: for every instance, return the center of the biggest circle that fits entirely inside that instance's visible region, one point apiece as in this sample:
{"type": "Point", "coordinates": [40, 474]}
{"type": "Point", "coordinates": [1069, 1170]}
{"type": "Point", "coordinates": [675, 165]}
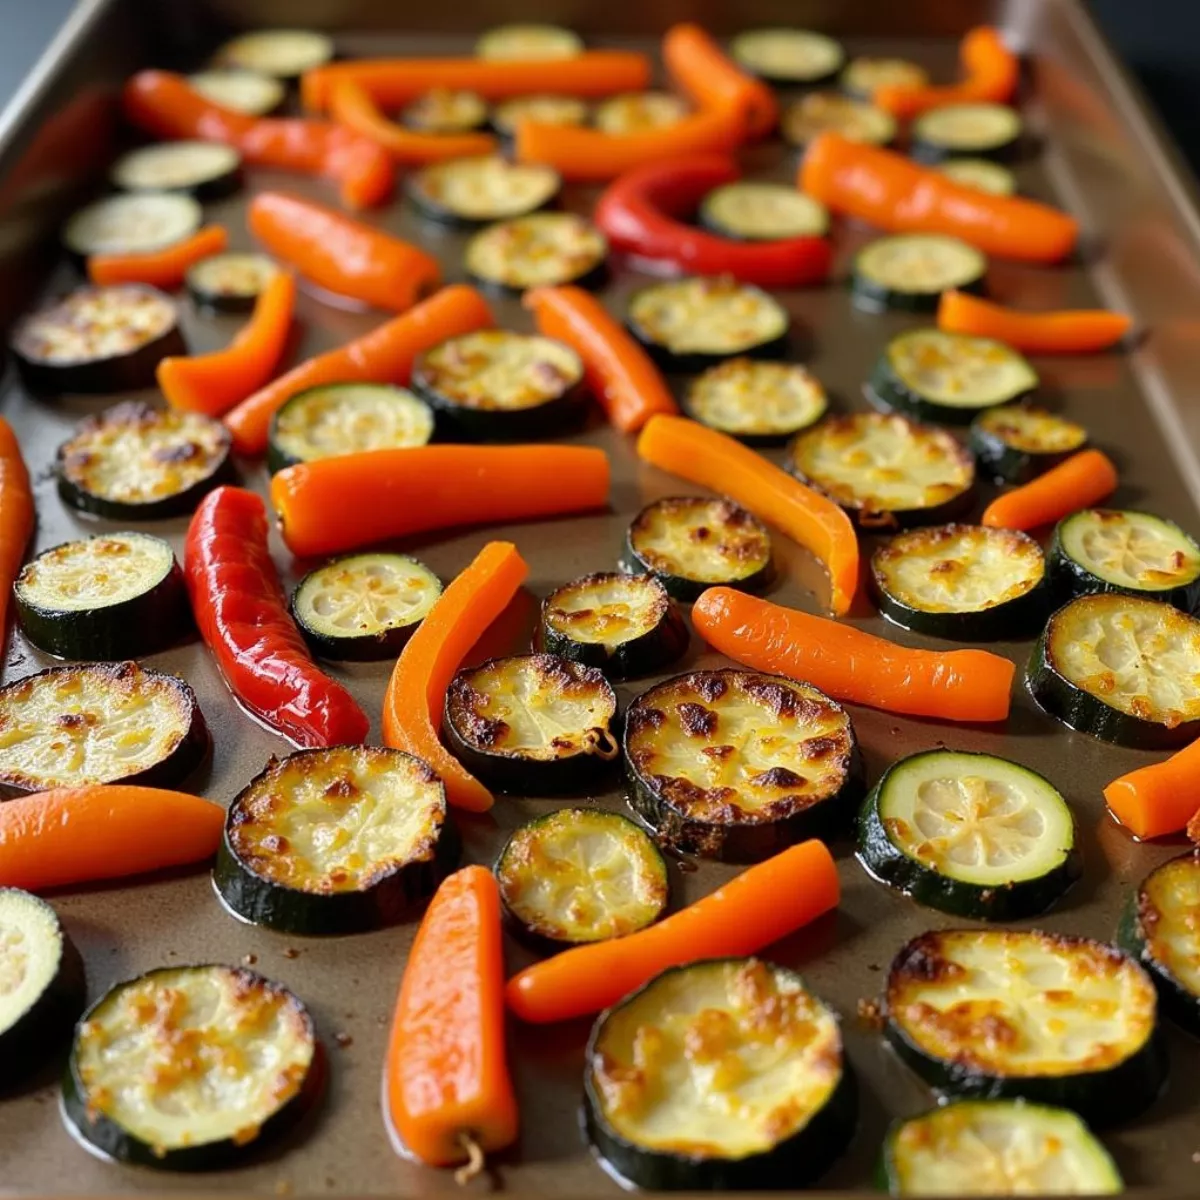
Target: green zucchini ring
{"type": "Point", "coordinates": [760, 403]}
{"type": "Point", "coordinates": [804, 120]}
{"type": "Point", "coordinates": [910, 272]}
{"type": "Point", "coordinates": [788, 56]}
{"type": "Point", "coordinates": [279, 53]}
{"type": "Point", "coordinates": [725, 1075]}
{"type": "Point", "coordinates": [638, 112]}
{"type": "Point", "coordinates": [446, 110]}
{"type": "Point", "coordinates": [206, 170]}
{"type": "Point", "coordinates": [191, 1068]}
{"type": "Point", "coordinates": [976, 130]}
{"type": "Point", "coordinates": [478, 190]}
{"type": "Point", "coordinates": [541, 109]}
{"type": "Point", "coordinates": [335, 840]}
{"type": "Point", "coordinates": [753, 212]}
{"type": "Point", "coordinates": [249, 92]}
{"type": "Point", "coordinates": [981, 174]}
{"type": "Point", "coordinates": [580, 875]}
{"type": "Point", "coordinates": [864, 75]}
{"type": "Point", "coordinates": [969, 834]}
{"type": "Point", "coordinates": [229, 282]}
{"type": "Point", "coordinates": [1048, 1018]}
{"type": "Point", "coordinates": [528, 42]}
{"type": "Point", "coordinates": [736, 765]}
{"type": "Point", "coordinates": [1015, 443]}
{"type": "Point", "coordinates": [131, 223]}
{"type": "Point", "coordinates": [540, 250]}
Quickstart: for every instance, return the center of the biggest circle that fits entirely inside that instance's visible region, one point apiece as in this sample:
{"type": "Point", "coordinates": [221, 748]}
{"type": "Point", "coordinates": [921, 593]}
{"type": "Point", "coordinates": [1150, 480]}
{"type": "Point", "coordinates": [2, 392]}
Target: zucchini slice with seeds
{"type": "Point", "coordinates": [528, 43]}
{"type": "Point", "coordinates": [756, 212]}
{"type": "Point", "coordinates": [229, 282]}
{"type": "Point", "coordinates": [1015, 443]}
{"type": "Point", "coordinates": [788, 56]}
{"type": "Point", "coordinates": [864, 74]}
{"type": "Point", "coordinates": [759, 403]}
{"type": "Point", "coordinates": [280, 53]}
{"type": "Point", "coordinates": [191, 1068]}
{"type": "Point", "coordinates": [113, 596]}
{"type": "Point", "coordinates": [910, 272]}
{"type": "Point", "coordinates": [639, 112]}
{"type": "Point", "coordinates": [581, 875]}
{"type": "Point", "coordinates": [249, 92]}
{"type": "Point", "coordinates": [978, 130]}
{"type": "Point", "coordinates": [1048, 1018]}
{"type": "Point", "coordinates": [540, 250]}
{"type": "Point", "coordinates": [981, 174]}
{"type": "Point", "coordinates": [725, 1075]}
{"type": "Point", "coordinates": [478, 190]}
{"type": "Point", "coordinates": [132, 223]}
{"type": "Point", "coordinates": [969, 834]}
{"type": "Point", "coordinates": [967, 582]}
{"type": "Point", "coordinates": [736, 765]}
{"type": "Point", "coordinates": [446, 110]}
{"type": "Point", "coordinates": [624, 624]}
{"type": "Point", "coordinates": [533, 723]}
{"type": "Point", "coordinates": [1123, 669]}
{"type": "Point", "coordinates": [543, 109]}
{"type": "Point", "coordinates": [335, 840]}
{"type": "Point", "coordinates": [804, 120]}
{"type": "Point", "coordinates": [206, 170]}
{"type": "Point", "coordinates": [102, 723]}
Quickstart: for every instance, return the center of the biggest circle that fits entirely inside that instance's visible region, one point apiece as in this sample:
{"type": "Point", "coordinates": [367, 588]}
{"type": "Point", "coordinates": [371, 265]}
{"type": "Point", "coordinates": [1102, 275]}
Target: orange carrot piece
{"type": "Point", "coordinates": [1082, 480]}
{"type": "Point", "coordinates": [1070, 331]}
{"type": "Point", "coordinates": [990, 74]}
{"type": "Point", "coordinates": [717, 461]}
{"type": "Point", "coordinates": [163, 268]}
{"type": "Point", "coordinates": [106, 831]}
{"type": "Point", "coordinates": [416, 692]}
{"type": "Point", "coordinates": [851, 664]}
{"type": "Point", "coordinates": [1158, 799]}
{"type": "Point", "coordinates": [761, 905]}
{"type": "Point", "coordinates": [16, 516]}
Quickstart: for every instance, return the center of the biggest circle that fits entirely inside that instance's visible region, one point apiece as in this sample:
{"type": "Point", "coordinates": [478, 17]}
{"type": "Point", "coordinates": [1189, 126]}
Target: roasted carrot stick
{"type": "Point", "coordinates": [716, 461]}
{"type": "Point", "coordinates": [164, 268]}
{"type": "Point", "coordinates": [214, 383]}
{"type": "Point", "coordinates": [16, 516]}
{"type": "Point", "coordinates": [76, 835]}
{"type": "Point", "coordinates": [851, 664]}
{"type": "Point", "coordinates": [1083, 479]}
{"type": "Point", "coordinates": [1073, 331]}
{"type": "Point", "coordinates": [385, 355]}
{"type": "Point", "coordinates": [336, 504]}
{"type": "Point", "coordinates": [416, 692]}
{"type": "Point", "coordinates": [990, 73]}
{"type": "Point", "coordinates": [1159, 799]}
{"type": "Point", "coordinates": [764, 903]}
{"type": "Point", "coordinates": [447, 1088]}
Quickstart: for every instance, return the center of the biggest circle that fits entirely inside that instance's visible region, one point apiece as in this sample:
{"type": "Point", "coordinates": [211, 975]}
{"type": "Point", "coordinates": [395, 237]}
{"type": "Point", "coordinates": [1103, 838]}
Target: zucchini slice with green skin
{"type": "Point", "coordinates": [977, 130]}
{"type": "Point", "coordinates": [446, 110]}
{"type": "Point", "coordinates": [249, 92]}
{"type": "Point", "coordinates": [911, 271]}
{"type": "Point", "coordinates": [581, 875]}
{"type": "Point", "coordinates": [534, 723]}
{"type": "Point", "coordinates": [206, 170]}
{"type": "Point", "coordinates": [544, 109]}
{"type": "Point", "coordinates": [528, 42]}
{"type": "Point", "coordinates": [966, 582]}
{"type": "Point", "coordinates": [479, 190]}
{"type": "Point", "coordinates": [736, 765]}
{"type": "Point", "coordinates": [363, 607]}
{"type": "Point", "coordinates": [132, 223]}
{"type": "Point", "coordinates": [804, 120]}
{"type": "Point", "coordinates": [137, 463]}
{"type": "Point", "coordinates": [112, 596]}
{"type": "Point", "coordinates": [639, 112]}
{"type": "Point", "coordinates": [691, 543]}
{"type": "Point", "coordinates": [981, 174]}
{"type": "Point", "coordinates": [755, 212]}
{"type": "Point", "coordinates": [863, 75]}
{"type": "Point", "coordinates": [1132, 553]}
{"type": "Point", "coordinates": [1015, 443]}
{"type": "Point", "coordinates": [788, 56]}
{"type": "Point", "coordinates": [229, 282]}
{"type": "Point", "coordinates": [1049, 1018]}
{"type": "Point", "coordinates": [930, 375]}
{"type": "Point", "coordinates": [969, 834]}
{"type": "Point", "coordinates": [1120, 668]}
{"type": "Point", "coordinates": [191, 1068]}
{"type": "Point", "coordinates": [540, 250]}
{"type": "Point", "coordinates": [623, 624]}
{"type": "Point", "coordinates": [102, 723]}
{"type": "Point", "coordinates": [41, 984]}
{"type": "Point", "coordinates": [336, 840]}
{"type": "Point", "coordinates": [724, 1075]}
{"type": "Point", "coordinates": [280, 53]}
{"type": "Point", "coordinates": [996, 1148]}
{"type": "Point", "coordinates": [760, 403]}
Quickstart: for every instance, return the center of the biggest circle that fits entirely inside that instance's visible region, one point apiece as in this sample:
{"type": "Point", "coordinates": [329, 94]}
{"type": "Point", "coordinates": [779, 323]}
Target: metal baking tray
{"type": "Point", "coordinates": [1099, 154]}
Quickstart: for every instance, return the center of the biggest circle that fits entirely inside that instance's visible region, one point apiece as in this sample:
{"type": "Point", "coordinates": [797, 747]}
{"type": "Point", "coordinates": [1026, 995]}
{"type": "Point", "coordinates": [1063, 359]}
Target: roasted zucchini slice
{"type": "Point", "coordinates": [759, 403]}
{"type": "Point", "coordinates": [137, 463]}
{"type": "Point", "coordinates": [911, 271]}
{"type": "Point", "coordinates": [581, 875]}
{"type": "Point", "coordinates": [725, 1075]}
{"type": "Point", "coordinates": [788, 56]}
{"type": "Point", "coordinates": [191, 1068]}
{"type": "Point", "coordinates": [540, 250]}
{"type": "Point", "coordinates": [112, 596]}
{"type": "Point", "coordinates": [624, 624]}
{"type": "Point", "coordinates": [1121, 668]}
{"type": "Point", "coordinates": [981, 174]}
{"type": "Point", "coordinates": [1017, 442]}
{"type": "Point", "coordinates": [1049, 1018]}
{"type": "Point", "coordinates": [528, 43]}
{"type": "Point", "coordinates": [969, 834]}
{"type": "Point", "coordinates": [976, 130]}
{"type": "Point", "coordinates": [534, 723]}
{"type": "Point", "coordinates": [335, 840]}
{"type": "Point", "coordinates": [736, 765]}
{"type": "Point", "coordinates": [804, 120]}
{"type": "Point", "coordinates": [134, 223]}
{"type": "Point", "coordinates": [206, 170]}
{"type": "Point", "coordinates": [103, 723]}
{"type": "Point", "coordinates": [639, 112]}
{"type": "Point", "coordinates": [249, 92]}
{"type": "Point", "coordinates": [967, 582]}
{"type": "Point", "coordinates": [446, 110]}
{"type": "Point", "coordinates": [280, 53]}
{"type": "Point", "coordinates": [691, 543]}
{"type": "Point", "coordinates": [884, 469]}
{"type": "Point", "coordinates": [542, 109]}
{"type": "Point", "coordinates": [476, 191]}
{"type": "Point", "coordinates": [230, 282]}
{"type": "Point", "coordinates": [864, 74]}
{"type": "Point", "coordinates": [756, 212]}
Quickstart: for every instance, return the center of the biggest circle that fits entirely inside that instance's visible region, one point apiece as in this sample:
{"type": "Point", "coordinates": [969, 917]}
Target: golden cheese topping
{"type": "Point", "coordinates": [1033, 430]}
{"type": "Point", "coordinates": [243, 275]}
{"type": "Point", "coordinates": [822, 112]}
{"type": "Point", "coordinates": [863, 75]}
{"type": "Point", "coordinates": [544, 110]}
{"type": "Point", "coordinates": [707, 316]}
{"type": "Point", "coordinates": [487, 188]}
{"type": "Point", "coordinates": [365, 595]}
{"type": "Point", "coordinates": [703, 541]}
{"type": "Point", "coordinates": [1168, 913]}
{"type": "Point", "coordinates": [716, 1060]}
{"type": "Point", "coordinates": [528, 42]}
{"type": "Point", "coordinates": [607, 609]}
{"type": "Point", "coordinates": [968, 126]}
{"type": "Point", "coordinates": [445, 110]}
{"type": "Point", "coordinates": [31, 949]}
{"type": "Point", "coordinates": [748, 397]}
{"type": "Point", "coordinates": [639, 112]}
{"type": "Point", "coordinates": [1131, 549]}
{"type": "Point", "coordinates": [952, 368]}
{"type": "Point", "coordinates": [95, 323]}
{"type": "Point", "coordinates": [348, 418]}
{"type": "Point", "coordinates": [540, 250]}
{"type": "Point", "coordinates": [95, 572]}
{"type": "Point", "coordinates": [168, 165]}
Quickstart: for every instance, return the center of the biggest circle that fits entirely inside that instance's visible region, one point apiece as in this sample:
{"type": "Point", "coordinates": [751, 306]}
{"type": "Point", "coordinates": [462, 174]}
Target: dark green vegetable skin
{"type": "Point", "coordinates": [1005, 463]}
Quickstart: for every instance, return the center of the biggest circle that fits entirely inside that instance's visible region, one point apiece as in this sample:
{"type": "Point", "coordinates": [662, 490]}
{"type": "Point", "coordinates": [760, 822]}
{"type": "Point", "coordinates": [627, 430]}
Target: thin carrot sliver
{"type": "Point", "coordinates": [1159, 799]}
{"type": "Point", "coordinates": [165, 268]}
{"type": "Point", "coordinates": [1068, 331]}
{"type": "Point", "coordinates": [16, 516]}
{"type": "Point", "coordinates": [1082, 480]}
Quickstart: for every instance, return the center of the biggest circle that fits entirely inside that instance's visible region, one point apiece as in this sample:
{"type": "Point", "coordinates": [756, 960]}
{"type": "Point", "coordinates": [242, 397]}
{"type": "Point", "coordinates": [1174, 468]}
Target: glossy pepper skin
{"type": "Point", "coordinates": [242, 616]}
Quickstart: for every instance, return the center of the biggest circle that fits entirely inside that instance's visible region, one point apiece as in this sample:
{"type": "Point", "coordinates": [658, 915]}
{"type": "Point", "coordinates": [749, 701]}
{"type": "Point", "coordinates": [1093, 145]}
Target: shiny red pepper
{"type": "Point", "coordinates": [640, 214]}
{"type": "Point", "coordinates": [242, 616]}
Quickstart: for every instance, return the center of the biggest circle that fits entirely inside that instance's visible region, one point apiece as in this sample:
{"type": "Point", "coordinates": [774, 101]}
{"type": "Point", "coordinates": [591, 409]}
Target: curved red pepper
{"type": "Point", "coordinates": [241, 614]}
{"type": "Point", "coordinates": [639, 213]}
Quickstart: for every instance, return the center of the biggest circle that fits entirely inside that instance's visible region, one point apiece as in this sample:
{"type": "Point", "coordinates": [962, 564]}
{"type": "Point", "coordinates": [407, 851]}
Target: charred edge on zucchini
{"type": "Point", "coordinates": [229, 282]}
{"type": "Point", "coordinates": [981, 174]}
{"type": "Point", "coordinates": [788, 56]}
{"type": "Point", "coordinates": [131, 223]}
{"type": "Point", "coordinates": [206, 170]}
{"type": "Point", "coordinates": [759, 403]}
{"type": "Point", "coordinates": [979, 130]}
{"type": "Point", "coordinates": [529, 42]}
{"type": "Point", "coordinates": [1016, 443]}
{"type": "Point", "coordinates": [762, 212]}
{"type": "Point", "coordinates": [477, 191]}
{"type": "Point", "coordinates": [911, 271]}
{"type": "Point", "coordinates": [280, 53]}
{"type": "Point", "coordinates": [249, 92]}
{"type": "Point", "coordinates": [806, 119]}
{"type": "Point", "coordinates": [541, 250]}
{"type": "Point", "coordinates": [864, 74]}
{"type": "Point", "coordinates": [542, 109]}
{"type": "Point", "coordinates": [446, 110]}
{"type": "Point", "coordinates": [639, 112]}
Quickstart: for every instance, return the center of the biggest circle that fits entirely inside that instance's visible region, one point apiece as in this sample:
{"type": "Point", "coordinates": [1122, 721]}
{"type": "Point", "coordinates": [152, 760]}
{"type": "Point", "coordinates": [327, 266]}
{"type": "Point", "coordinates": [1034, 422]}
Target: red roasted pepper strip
{"type": "Point", "coordinates": [640, 214]}
{"type": "Point", "coordinates": [242, 616]}
{"type": "Point", "coordinates": [990, 73]}
{"type": "Point", "coordinates": [163, 268]}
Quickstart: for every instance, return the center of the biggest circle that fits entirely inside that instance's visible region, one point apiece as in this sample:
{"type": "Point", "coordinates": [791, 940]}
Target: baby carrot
{"type": "Point", "coordinates": [16, 516]}
{"type": "Point", "coordinates": [990, 73]}
{"type": "Point", "coordinates": [1071, 331]}
{"type": "Point", "coordinates": [850, 664]}
{"type": "Point", "coordinates": [1159, 799]}
{"type": "Point", "coordinates": [164, 268]}
{"type": "Point", "coordinates": [1082, 480]}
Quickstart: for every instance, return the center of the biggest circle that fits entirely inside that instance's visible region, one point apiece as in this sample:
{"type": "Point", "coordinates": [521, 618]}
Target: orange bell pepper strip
{"type": "Point", "coordinates": [106, 831]}
{"type": "Point", "coordinates": [714, 460]}
{"type": "Point", "coordinates": [761, 905]}
{"type": "Point", "coordinates": [162, 104]}
{"type": "Point", "coordinates": [416, 692]}
{"type": "Point", "coordinates": [1155, 800]}
{"type": "Point", "coordinates": [342, 255]}
{"type": "Point", "coordinates": [620, 374]}
{"type": "Point", "coordinates": [163, 268]}
{"type": "Point", "coordinates": [990, 74]}
{"type": "Point", "coordinates": [385, 355]}
{"type": "Point", "coordinates": [16, 516]}
{"type": "Point", "coordinates": [1072, 331]}
{"type": "Point", "coordinates": [1079, 482]}
{"type": "Point", "coordinates": [851, 664]}
{"type": "Point", "coordinates": [447, 1088]}
{"type": "Point", "coordinates": [351, 500]}
{"type": "Point", "coordinates": [890, 191]}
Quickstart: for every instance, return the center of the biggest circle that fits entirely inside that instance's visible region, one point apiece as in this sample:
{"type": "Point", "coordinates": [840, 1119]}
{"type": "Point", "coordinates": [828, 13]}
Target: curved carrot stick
{"type": "Point", "coordinates": [1071, 331]}
{"type": "Point", "coordinates": [1082, 480]}
{"type": "Point", "coordinates": [1158, 799]}
{"type": "Point", "coordinates": [163, 268]}
{"type": "Point", "coordinates": [990, 74]}
{"type": "Point", "coordinates": [16, 516]}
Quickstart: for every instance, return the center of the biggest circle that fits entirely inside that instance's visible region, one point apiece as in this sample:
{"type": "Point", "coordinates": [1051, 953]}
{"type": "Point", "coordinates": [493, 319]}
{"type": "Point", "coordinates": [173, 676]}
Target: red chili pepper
{"type": "Point", "coordinates": [242, 616]}
{"type": "Point", "coordinates": [639, 213]}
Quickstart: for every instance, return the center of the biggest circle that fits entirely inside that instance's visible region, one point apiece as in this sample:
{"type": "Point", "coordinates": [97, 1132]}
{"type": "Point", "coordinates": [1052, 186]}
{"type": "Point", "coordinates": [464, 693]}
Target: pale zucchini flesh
{"type": "Point", "coordinates": [250, 92]}
{"type": "Point", "coordinates": [280, 53]}
{"type": "Point", "coordinates": [806, 119]}
{"type": "Point", "coordinates": [540, 109]}
{"type": "Point", "coordinates": [132, 223]}
{"type": "Point", "coordinates": [864, 74]}
{"type": "Point", "coordinates": [783, 55]}
{"type": "Point", "coordinates": [917, 267]}
{"type": "Point", "coordinates": [175, 166]}
{"type": "Point", "coordinates": [484, 188]}
{"type": "Point", "coordinates": [528, 42]}
{"type": "Point", "coordinates": [981, 174]}
{"type": "Point", "coordinates": [230, 279]}
{"type": "Point", "coordinates": [639, 112]}
{"type": "Point", "coordinates": [445, 110]}
{"type": "Point", "coordinates": [96, 572]}
{"type": "Point", "coordinates": [977, 128]}
{"type": "Point", "coordinates": [607, 609]}
{"type": "Point", "coordinates": [539, 250]}
{"type": "Point", "coordinates": [756, 400]}
{"type": "Point", "coordinates": [763, 212]}
{"type": "Point", "coordinates": [31, 948]}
